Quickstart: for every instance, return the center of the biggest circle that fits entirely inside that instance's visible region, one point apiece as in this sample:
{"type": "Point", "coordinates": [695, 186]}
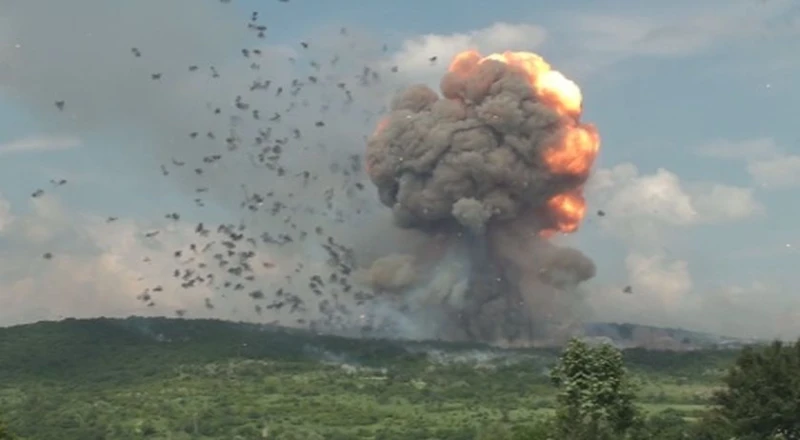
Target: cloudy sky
{"type": "Point", "coordinates": [698, 173]}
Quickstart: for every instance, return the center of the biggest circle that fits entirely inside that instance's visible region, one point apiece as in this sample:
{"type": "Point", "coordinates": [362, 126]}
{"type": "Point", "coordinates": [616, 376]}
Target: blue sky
{"type": "Point", "coordinates": [704, 92]}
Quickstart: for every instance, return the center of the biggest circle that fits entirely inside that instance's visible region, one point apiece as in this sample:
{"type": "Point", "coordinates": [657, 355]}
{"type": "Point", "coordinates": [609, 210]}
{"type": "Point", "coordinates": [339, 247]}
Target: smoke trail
{"type": "Point", "coordinates": [489, 170]}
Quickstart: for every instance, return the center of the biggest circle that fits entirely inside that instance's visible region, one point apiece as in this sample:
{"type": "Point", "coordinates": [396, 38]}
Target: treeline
{"type": "Point", "coordinates": [80, 348]}
{"type": "Point", "coordinates": [760, 400]}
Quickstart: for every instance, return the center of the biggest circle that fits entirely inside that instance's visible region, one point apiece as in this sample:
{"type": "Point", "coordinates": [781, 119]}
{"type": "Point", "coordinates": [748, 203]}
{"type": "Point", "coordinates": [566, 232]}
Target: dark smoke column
{"type": "Point", "coordinates": [492, 169]}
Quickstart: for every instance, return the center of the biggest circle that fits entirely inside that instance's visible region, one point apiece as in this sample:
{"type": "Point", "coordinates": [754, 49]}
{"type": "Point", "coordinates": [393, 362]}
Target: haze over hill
{"type": "Point", "coordinates": [624, 336]}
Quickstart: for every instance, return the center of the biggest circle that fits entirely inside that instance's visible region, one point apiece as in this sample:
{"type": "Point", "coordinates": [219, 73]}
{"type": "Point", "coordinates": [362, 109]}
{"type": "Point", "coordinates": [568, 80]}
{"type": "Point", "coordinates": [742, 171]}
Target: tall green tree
{"type": "Point", "coordinates": [596, 398]}
{"type": "Point", "coordinates": [761, 399]}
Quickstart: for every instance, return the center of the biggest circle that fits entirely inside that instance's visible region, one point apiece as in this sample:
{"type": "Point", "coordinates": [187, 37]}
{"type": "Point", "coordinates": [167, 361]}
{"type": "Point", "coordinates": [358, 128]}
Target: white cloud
{"type": "Point", "coordinates": [777, 172]}
{"type": "Point", "coordinates": [592, 39]}
{"type": "Point", "coordinates": [414, 53]}
{"type": "Point", "coordinates": [39, 143]}
{"type": "Point", "coordinates": [595, 40]}
{"type": "Point", "coordinates": [7, 45]}
{"type": "Point", "coordinates": [667, 35]}
{"type": "Point", "coordinates": [660, 285]}
{"type": "Point", "coordinates": [636, 35]}
{"type": "Point", "coordinates": [668, 279]}
{"type": "Point", "coordinates": [96, 269]}
{"type": "Point", "coordinates": [100, 268]}
{"type": "Point", "coordinates": [47, 221]}
{"type": "Point", "coordinates": [598, 39]}
{"type": "Point", "coordinates": [642, 208]}
{"type": "Point", "coordinates": [659, 195]}
{"type": "Point", "coordinates": [664, 295]}
{"type": "Point", "coordinates": [5, 214]}
{"type": "Point", "coordinates": [718, 203]}
{"type": "Point", "coordinates": [756, 309]}
{"type": "Point", "coordinates": [766, 162]}
{"type": "Point", "coordinates": [644, 211]}
{"type": "Point", "coordinates": [747, 149]}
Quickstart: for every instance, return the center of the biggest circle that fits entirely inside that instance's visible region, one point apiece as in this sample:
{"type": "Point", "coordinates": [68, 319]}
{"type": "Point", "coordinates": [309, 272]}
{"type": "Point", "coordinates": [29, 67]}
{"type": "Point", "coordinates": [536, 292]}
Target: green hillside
{"type": "Point", "coordinates": [200, 379]}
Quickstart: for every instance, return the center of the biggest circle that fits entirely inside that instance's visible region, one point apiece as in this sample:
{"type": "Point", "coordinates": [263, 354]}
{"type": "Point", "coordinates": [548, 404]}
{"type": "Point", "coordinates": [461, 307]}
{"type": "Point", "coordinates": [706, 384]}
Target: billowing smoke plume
{"type": "Point", "coordinates": [489, 170]}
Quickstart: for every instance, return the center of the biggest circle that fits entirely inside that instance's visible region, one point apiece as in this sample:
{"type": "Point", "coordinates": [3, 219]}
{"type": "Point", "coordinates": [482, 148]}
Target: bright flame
{"type": "Point", "coordinates": [567, 211]}
{"type": "Point", "coordinates": [551, 87]}
{"type": "Point", "coordinates": [574, 153]}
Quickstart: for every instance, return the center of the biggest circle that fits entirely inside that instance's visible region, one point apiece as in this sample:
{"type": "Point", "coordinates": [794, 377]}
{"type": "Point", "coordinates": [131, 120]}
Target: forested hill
{"type": "Point", "coordinates": [95, 348]}
{"type": "Point", "coordinates": [203, 379]}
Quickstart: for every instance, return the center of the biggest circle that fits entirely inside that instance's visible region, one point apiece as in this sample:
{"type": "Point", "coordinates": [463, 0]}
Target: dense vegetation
{"type": "Point", "coordinates": [198, 379]}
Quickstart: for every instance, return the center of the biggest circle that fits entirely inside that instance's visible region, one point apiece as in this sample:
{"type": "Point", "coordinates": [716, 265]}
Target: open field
{"type": "Point", "coordinates": [181, 379]}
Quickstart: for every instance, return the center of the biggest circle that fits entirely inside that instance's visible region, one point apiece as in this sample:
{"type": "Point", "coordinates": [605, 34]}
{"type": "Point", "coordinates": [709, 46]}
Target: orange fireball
{"type": "Point", "coordinates": [575, 151]}
{"type": "Point", "coordinates": [567, 211]}
{"type": "Point", "coordinates": [551, 87]}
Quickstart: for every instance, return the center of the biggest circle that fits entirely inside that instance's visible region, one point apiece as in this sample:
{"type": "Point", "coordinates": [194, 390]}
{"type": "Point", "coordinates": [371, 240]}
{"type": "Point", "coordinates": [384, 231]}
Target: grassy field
{"type": "Point", "coordinates": [176, 379]}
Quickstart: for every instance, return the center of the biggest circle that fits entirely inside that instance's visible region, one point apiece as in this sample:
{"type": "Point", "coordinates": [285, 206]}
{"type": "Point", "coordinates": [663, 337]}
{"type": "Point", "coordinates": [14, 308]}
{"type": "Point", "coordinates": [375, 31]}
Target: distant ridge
{"type": "Point", "coordinates": [621, 335]}
{"type": "Point", "coordinates": [626, 335]}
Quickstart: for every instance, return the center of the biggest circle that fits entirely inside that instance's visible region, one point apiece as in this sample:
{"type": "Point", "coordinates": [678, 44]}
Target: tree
{"type": "Point", "coordinates": [762, 395]}
{"type": "Point", "coordinates": [595, 399]}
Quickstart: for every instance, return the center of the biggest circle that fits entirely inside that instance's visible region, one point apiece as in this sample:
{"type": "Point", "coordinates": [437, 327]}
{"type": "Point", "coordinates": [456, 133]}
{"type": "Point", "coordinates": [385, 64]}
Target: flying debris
{"type": "Point", "coordinates": [486, 171]}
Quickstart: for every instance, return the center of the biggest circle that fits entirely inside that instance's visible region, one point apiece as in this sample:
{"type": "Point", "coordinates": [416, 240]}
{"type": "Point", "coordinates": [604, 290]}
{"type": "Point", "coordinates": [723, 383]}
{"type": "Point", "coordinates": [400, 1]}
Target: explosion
{"type": "Point", "coordinates": [490, 171]}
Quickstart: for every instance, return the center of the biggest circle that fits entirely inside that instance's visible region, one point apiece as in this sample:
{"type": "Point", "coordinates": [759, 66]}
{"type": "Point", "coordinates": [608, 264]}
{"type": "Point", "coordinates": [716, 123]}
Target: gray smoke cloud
{"type": "Point", "coordinates": [480, 170]}
{"type": "Point", "coordinates": [273, 135]}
